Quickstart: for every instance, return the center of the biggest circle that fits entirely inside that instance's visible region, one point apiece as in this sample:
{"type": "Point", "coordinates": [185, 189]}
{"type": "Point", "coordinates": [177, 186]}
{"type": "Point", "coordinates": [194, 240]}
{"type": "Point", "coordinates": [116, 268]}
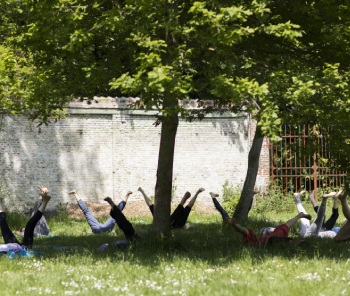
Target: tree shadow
{"type": "Point", "coordinates": [205, 242]}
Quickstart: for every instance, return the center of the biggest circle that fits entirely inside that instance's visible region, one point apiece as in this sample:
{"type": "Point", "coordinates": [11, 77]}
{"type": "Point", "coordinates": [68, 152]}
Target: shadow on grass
{"type": "Point", "coordinates": [208, 241]}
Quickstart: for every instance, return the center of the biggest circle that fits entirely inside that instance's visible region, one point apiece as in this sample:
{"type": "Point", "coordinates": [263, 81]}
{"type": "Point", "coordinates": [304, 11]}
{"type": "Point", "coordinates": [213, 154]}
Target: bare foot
{"type": "Point", "coordinates": [298, 195]}
{"type": "Point", "coordinates": [306, 216]}
{"type": "Point", "coordinates": [140, 189]}
{"type": "Point", "coordinates": [201, 190]}
{"type": "Point", "coordinates": [329, 195]}
{"type": "Point", "coordinates": [129, 192]}
{"type": "Point", "coordinates": [187, 195]}
{"type": "Point", "coordinates": [108, 199]}
{"type": "Point", "coordinates": [43, 189]}
{"type": "Point", "coordinates": [75, 195]}
{"type": "Point", "coordinates": [340, 192]}
{"type": "Point", "coordinates": [342, 195]}
{"type": "Point", "coordinates": [213, 195]}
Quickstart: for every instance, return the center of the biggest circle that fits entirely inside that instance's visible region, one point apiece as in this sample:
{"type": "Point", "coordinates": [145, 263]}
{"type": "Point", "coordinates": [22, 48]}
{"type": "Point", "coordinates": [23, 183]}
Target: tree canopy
{"type": "Point", "coordinates": [288, 60]}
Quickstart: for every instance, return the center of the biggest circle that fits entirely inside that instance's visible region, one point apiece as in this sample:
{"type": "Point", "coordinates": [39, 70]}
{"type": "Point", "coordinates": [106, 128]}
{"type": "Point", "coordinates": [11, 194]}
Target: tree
{"type": "Point", "coordinates": [308, 85]}
{"type": "Point", "coordinates": [16, 73]}
{"type": "Point", "coordinates": [234, 53]}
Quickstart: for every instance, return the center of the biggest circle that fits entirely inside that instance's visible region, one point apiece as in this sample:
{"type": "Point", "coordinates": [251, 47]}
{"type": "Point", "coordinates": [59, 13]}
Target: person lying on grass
{"type": "Point", "coordinates": [344, 231]}
{"type": "Point", "coordinates": [335, 212]}
{"type": "Point", "coordinates": [96, 227]}
{"type": "Point", "coordinates": [281, 231]}
{"type": "Point", "coordinates": [123, 223]}
{"type": "Point", "coordinates": [317, 228]}
{"type": "Point", "coordinates": [41, 228]}
{"type": "Point", "coordinates": [7, 234]}
{"type": "Point", "coordinates": [179, 217]}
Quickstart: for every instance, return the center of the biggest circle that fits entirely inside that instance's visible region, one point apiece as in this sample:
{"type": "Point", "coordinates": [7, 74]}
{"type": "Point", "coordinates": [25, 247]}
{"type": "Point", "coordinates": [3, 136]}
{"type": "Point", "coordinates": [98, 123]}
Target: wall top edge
{"type": "Point", "coordinates": [123, 102]}
{"type": "Point", "coordinates": [123, 112]}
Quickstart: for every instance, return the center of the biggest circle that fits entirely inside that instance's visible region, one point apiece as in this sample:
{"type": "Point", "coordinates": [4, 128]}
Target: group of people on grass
{"type": "Point", "coordinates": [319, 227]}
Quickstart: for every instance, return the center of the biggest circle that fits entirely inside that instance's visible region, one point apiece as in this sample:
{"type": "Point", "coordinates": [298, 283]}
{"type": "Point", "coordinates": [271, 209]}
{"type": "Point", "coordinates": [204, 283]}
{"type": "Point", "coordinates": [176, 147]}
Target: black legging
{"type": "Point", "coordinates": [331, 221]}
{"type": "Point", "coordinates": [179, 217]}
{"type": "Point", "coordinates": [123, 223]}
{"type": "Point", "coordinates": [28, 232]}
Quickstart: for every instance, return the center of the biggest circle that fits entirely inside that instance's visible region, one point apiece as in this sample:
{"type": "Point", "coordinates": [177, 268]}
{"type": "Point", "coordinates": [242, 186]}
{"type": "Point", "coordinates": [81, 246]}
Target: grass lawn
{"type": "Point", "coordinates": [207, 259]}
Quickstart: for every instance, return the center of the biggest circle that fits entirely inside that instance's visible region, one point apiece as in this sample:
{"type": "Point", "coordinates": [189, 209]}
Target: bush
{"type": "Point", "coordinates": [273, 200]}
{"type": "Point", "coordinates": [230, 195]}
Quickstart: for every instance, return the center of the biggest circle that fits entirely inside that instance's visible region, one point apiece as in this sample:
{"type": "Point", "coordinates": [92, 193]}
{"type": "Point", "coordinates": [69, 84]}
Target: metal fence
{"type": "Point", "coordinates": [294, 172]}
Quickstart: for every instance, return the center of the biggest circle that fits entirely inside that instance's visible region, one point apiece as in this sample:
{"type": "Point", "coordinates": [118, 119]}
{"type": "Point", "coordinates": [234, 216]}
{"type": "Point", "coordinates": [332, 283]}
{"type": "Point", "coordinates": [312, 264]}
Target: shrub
{"type": "Point", "coordinates": [230, 195]}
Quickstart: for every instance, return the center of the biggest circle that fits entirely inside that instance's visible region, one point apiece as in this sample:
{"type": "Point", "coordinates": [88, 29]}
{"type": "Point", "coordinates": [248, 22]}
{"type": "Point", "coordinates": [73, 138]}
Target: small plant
{"type": "Point", "coordinates": [274, 200]}
{"type": "Point", "coordinates": [62, 210]}
{"type": "Point", "coordinates": [231, 195]}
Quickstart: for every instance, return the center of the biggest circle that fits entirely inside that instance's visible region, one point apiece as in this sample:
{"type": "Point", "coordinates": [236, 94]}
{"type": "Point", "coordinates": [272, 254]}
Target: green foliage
{"type": "Point", "coordinates": [230, 195]}
{"type": "Point", "coordinates": [61, 209]}
{"type": "Point", "coordinates": [273, 201]}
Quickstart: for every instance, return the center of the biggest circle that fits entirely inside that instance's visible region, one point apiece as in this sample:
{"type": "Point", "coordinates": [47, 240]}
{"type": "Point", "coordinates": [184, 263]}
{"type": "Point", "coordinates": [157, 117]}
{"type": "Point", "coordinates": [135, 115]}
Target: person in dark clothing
{"type": "Point", "coordinates": [179, 217]}
{"type": "Point", "coordinates": [29, 229]}
{"type": "Point", "coordinates": [41, 227]}
{"type": "Point", "coordinates": [121, 221]}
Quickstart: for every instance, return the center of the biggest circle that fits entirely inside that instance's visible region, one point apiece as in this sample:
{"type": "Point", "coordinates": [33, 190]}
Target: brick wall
{"type": "Point", "coordinates": [105, 150]}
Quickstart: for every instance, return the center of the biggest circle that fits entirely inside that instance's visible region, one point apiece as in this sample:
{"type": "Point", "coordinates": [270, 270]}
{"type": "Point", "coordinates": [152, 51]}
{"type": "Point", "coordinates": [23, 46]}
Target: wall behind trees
{"type": "Point", "coordinates": [104, 149]}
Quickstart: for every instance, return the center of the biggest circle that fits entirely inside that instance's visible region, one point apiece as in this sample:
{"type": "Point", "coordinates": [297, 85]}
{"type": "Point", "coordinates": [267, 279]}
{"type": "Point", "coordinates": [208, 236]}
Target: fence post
{"type": "Point", "coordinates": [315, 177]}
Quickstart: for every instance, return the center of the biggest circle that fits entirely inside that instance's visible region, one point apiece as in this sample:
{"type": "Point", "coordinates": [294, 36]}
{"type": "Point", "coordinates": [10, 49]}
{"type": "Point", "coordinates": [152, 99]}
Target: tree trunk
{"type": "Point", "coordinates": [241, 212]}
{"type": "Point", "coordinates": [164, 185]}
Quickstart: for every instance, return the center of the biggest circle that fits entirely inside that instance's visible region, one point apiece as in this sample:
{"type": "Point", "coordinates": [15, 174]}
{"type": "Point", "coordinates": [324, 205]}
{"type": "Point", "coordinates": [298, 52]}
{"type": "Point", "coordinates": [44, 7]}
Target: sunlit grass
{"type": "Point", "coordinates": [207, 259]}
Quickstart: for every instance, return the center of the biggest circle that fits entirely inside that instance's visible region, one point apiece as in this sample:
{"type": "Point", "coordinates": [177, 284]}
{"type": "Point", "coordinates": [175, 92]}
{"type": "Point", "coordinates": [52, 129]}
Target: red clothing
{"type": "Point", "coordinates": [281, 231]}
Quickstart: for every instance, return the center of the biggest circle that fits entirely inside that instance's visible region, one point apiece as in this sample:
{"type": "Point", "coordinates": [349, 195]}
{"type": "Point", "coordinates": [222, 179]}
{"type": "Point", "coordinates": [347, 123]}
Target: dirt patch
{"type": "Point", "coordinates": [132, 209]}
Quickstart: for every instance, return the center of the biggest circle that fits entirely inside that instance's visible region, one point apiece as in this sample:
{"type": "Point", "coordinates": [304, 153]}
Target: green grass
{"type": "Point", "coordinates": [207, 259]}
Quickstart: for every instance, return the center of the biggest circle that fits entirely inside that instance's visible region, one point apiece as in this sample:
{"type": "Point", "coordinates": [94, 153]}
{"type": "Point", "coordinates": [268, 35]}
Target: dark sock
{"type": "Point", "coordinates": [220, 209]}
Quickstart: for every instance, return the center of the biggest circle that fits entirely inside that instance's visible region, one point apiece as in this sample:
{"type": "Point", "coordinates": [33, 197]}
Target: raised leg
{"type": "Point", "coordinates": [147, 200]}
{"type": "Point", "coordinates": [344, 231]}
{"type": "Point", "coordinates": [29, 229]}
{"type": "Point", "coordinates": [312, 199]}
{"type": "Point", "coordinates": [294, 220]}
{"type": "Point", "coordinates": [94, 224]}
{"type": "Point", "coordinates": [218, 206]}
{"type": "Point", "coordinates": [194, 198]}
{"type": "Point", "coordinates": [186, 196]}
{"type": "Point", "coordinates": [335, 214]}
{"type": "Point", "coordinates": [122, 204]}
{"type": "Point", "coordinates": [316, 225]}
{"type": "Point", "coordinates": [181, 222]}
{"type": "Point", "coordinates": [121, 221]}
{"type": "Point", "coordinates": [304, 223]}
{"type": "Point", "coordinates": [179, 211]}
{"type": "Point", "coordinates": [5, 229]}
